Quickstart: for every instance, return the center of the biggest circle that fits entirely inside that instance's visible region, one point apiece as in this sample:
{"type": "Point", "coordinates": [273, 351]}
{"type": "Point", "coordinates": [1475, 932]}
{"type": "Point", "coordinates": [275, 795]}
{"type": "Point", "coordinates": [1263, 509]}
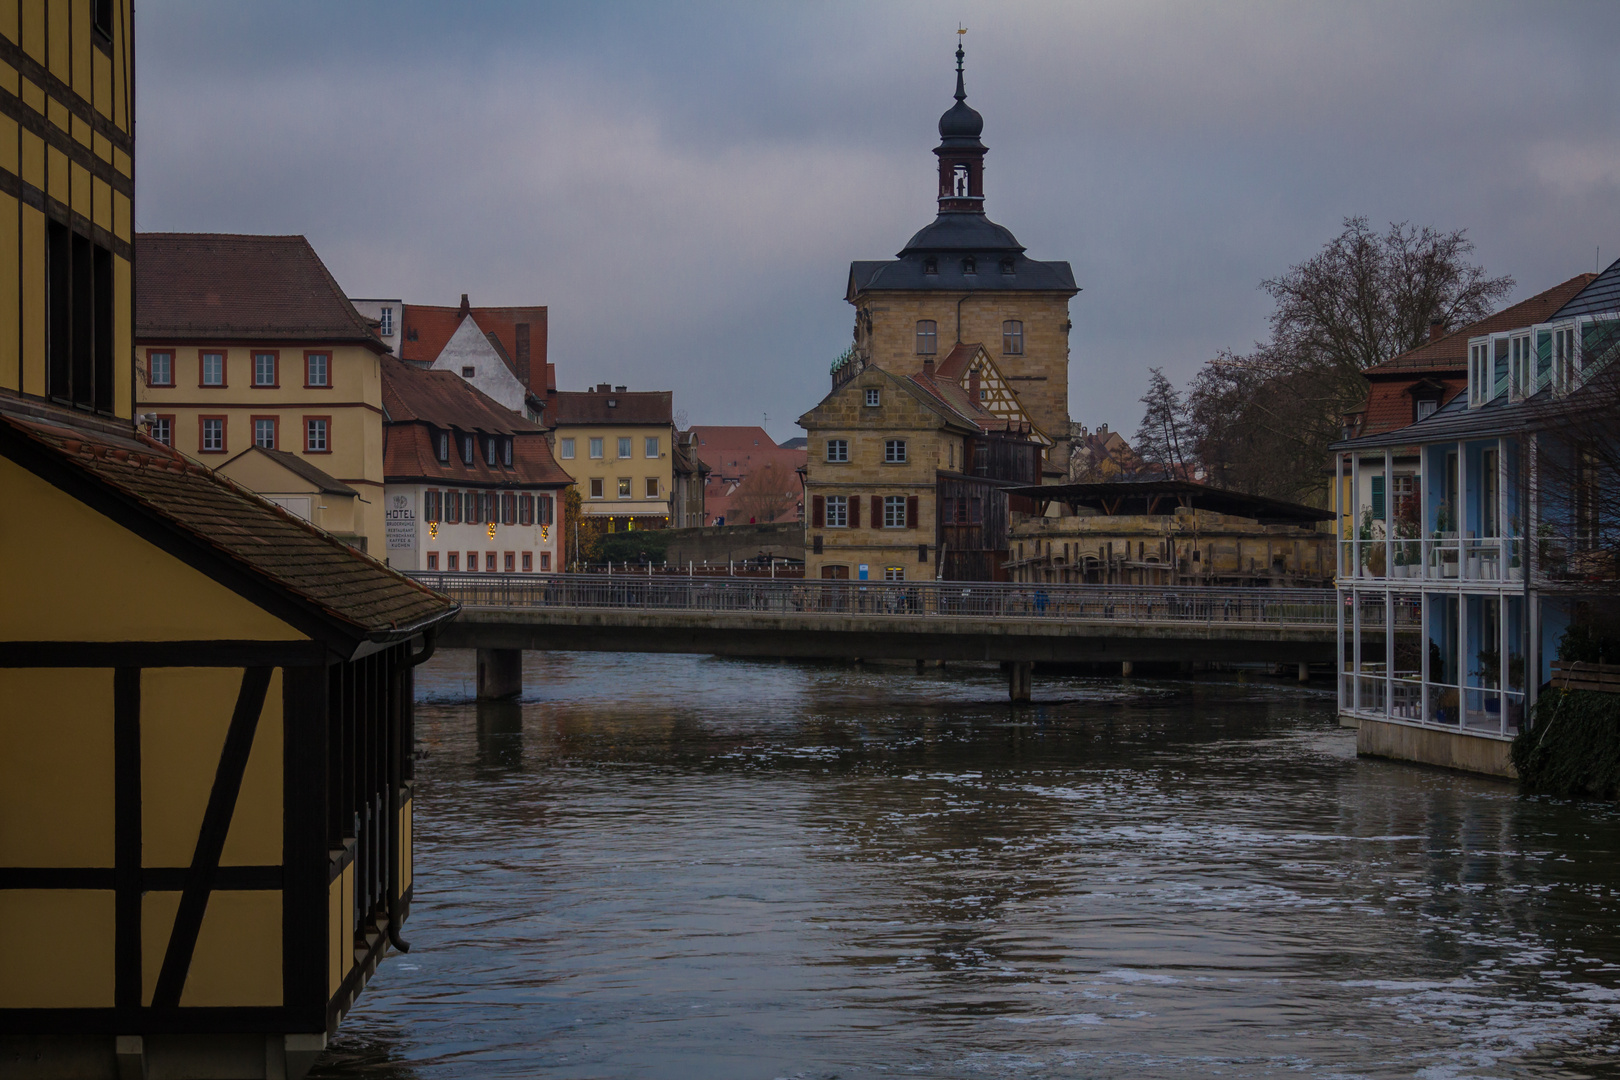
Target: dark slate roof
{"type": "Point", "coordinates": [273, 558]}
{"type": "Point", "coordinates": [223, 287]}
{"type": "Point", "coordinates": [907, 273]}
{"type": "Point", "coordinates": [1601, 297]}
{"type": "Point", "coordinates": [963, 231]}
{"type": "Point", "coordinates": [1140, 497]}
{"type": "Point", "coordinates": [300, 466]}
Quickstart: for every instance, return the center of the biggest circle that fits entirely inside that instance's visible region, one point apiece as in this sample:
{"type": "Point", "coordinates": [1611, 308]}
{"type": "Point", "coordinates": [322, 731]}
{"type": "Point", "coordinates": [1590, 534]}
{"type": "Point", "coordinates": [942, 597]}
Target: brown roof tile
{"type": "Point", "coordinates": [222, 287]}
{"type": "Point", "coordinates": [629, 407]}
{"type": "Point", "coordinates": [429, 327]}
{"type": "Point", "coordinates": [324, 579]}
{"type": "Point", "coordinates": [1450, 352]}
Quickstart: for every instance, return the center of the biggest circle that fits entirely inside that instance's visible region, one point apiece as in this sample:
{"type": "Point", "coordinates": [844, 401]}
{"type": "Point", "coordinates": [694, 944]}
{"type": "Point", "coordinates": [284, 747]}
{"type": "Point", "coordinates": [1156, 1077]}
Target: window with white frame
{"type": "Point", "coordinates": [506, 450]}
{"type": "Point", "coordinates": [160, 369]}
{"type": "Point", "coordinates": [837, 511]}
{"type": "Point", "coordinates": [596, 448]}
{"type": "Point", "coordinates": [872, 398]}
{"type": "Point", "coordinates": [1479, 375]}
{"type": "Point", "coordinates": [1499, 366]}
{"type": "Point", "coordinates": [1520, 366]}
{"type": "Point", "coordinates": [894, 451]}
{"type": "Point", "coordinates": [596, 487]}
{"type": "Point", "coordinates": [163, 430]}
{"type": "Point", "coordinates": [213, 435]}
{"type": "Point", "coordinates": [469, 450]}
{"type": "Point", "coordinates": [441, 446]}
{"type": "Point", "coordinates": [624, 446]}
{"type": "Point", "coordinates": [651, 446]}
{"type": "Point", "coordinates": [565, 449]}
{"type": "Point", "coordinates": [264, 433]}
{"type": "Point", "coordinates": [315, 435]}
{"type": "Point", "coordinates": [624, 487]}
{"type": "Point", "coordinates": [1564, 358]}
{"type": "Point", "coordinates": [894, 511]}
{"type": "Point", "coordinates": [264, 369]}
{"type": "Point", "coordinates": [213, 369]}
{"type": "Point", "coordinates": [385, 320]}
{"type": "Point", "coordinates": [837, 449]}
{"type": "Point", "coordinates": [317, 369]}
{"type": "Point", "coordinates": [894, 573]}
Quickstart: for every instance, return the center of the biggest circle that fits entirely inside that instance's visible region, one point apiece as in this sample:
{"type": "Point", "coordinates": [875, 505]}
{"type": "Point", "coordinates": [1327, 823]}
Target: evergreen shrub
{"type": "Point", "coordinates": [1571, 748]}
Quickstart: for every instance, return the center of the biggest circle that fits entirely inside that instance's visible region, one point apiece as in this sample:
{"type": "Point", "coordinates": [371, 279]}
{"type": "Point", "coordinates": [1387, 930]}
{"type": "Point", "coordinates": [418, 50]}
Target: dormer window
{"type": "Point", "coordinates": [1006, 266]}
{"type": "Point", "coordinates": [1426, 407]}
{"type": "Point", "coordinates": [1520, 367]}
{"type": "Point", "coordinates": [506, 451]}
{"type": "Point", "coordinates": [970, 265]}
{"type": "Point", "coordinates": [491, 450]}
{"type": "Point", "coordinates": [469, 450]}
{"type": "Point", "coordinates": [441, 445]}
{"type": "Point", "coordinates": [930, 265]}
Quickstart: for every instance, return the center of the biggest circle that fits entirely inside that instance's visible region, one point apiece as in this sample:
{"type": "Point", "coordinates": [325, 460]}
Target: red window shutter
{"type": "Point", "coordinates": [911, 511]}
{"type": "Point", "coordinates": [818, 512]}
{"type": "Point", "coordinates": [854, 511]}
{"type": "Point", "coordinates": [877, 511]}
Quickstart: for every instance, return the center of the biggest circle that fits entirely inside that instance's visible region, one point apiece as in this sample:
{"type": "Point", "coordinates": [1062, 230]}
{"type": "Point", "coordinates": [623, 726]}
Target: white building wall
{"type": "Point", "coordinates": [373, 309]}
{"type": "Point", "coordinates": [468, 348]}
{"type": "Point", "coordinates": [407, 527]}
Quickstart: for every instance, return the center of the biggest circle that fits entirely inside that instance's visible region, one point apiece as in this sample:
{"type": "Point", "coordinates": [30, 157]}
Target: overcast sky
{"type": "Point", "coordinates": [685, 186]}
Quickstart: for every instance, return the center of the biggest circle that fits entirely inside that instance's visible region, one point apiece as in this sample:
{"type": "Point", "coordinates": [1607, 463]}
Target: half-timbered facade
{"type": "Point", "coordinates": [205, 749]}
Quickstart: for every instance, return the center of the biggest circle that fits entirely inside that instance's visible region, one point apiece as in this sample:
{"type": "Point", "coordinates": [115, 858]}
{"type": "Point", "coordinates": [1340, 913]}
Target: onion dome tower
{"type": "Point", "coordinates": [960, 153]}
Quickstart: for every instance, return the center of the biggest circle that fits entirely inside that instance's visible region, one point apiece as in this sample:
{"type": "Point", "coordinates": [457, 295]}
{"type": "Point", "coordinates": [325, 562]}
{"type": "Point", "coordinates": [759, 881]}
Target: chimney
{"type": "Point", "coordinates": [973, 384]}
{"type": "Point", "coordinates": [928, 366]}
{"type": "Point", "coordinates": [1437, 329]}
{"type": "Point", "coordinates": [619, 389]}
{"type": "Point", "coordinates": [522, 355]}
{"type": "Point", "coordinates": [462, 311]}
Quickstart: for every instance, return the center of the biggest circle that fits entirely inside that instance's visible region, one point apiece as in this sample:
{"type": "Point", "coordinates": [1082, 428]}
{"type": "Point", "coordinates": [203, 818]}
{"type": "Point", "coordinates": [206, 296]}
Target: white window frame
{"type": "Point", "coordinates": [213, 425]}
{"type": "Point", "coordinates": [894, 451]}
{"type": "Point", "coordinates": [894, 511]}
{"type": "Point", "coordinates": [213, 356]}
{"type": "Point", "coordinates": [598, 486]}
{"type": "Point", "coordinates": [259, 373]}
{"type": "Point", "coordinates": [894, 573]}
{"type": "Point", "coordinates": [596, 448]}
{"type": "Point", "coordinates": [650, 447]}
{"type": "Point", "coordinates": [873, 398]}
{"type": "Point", "coordinates": [324, 362]}
{"type": "Point", "coordinates": [263, 424]}
{"type": "Point", "coordinates": [163, 430]}
{"type": "Point", "coordinates": [838, 451]}
{"type": "Point", "coordinates": [565, 449]}
{"type": "Point", "coordinates": [167, 360]}
{"type": "Point", "coordinates": [321, 445]}
{"type": "Point", "coordinates": [838, 511]}
{"type": "Point", "coordinates": [385, 317]}
{"type": "Point", "coordinates": [626, 488]}
{"type": "Point", "coordinates": [626, 447]}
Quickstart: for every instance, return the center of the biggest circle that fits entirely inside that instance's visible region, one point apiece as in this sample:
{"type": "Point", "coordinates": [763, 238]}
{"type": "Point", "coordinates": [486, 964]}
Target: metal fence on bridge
{"type": "Point", "coordinates": [1281, 609]}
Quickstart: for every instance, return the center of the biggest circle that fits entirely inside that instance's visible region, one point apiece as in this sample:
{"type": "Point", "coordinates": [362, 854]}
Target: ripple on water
{"type": "Point", "coordinates": [688, 867]}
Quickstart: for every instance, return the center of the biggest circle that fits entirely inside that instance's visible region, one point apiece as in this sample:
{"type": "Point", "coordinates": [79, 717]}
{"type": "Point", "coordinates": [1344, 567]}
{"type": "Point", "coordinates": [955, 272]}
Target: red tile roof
{"type": "Point", "coordinates": [428, 329]}
{"type": "Point", "coordinates": [1390, 402]}
{"type": "Point", "coordinates": [1450, 352]}
{"type": "Point", "coordinates": [222, 287]}
{"type": "Point", "coordinates": [627, 407]}
{"type": "Point", "coordinates": [733, 453]}
{"type": "Point", "coordinates": [278, 560]}
{"type": "Point", "coordinates": [416, 401]}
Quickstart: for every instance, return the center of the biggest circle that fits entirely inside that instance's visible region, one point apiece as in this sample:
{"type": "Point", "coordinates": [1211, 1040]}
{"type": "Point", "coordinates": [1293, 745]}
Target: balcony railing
{"type": "Point", "coordinates": [1281, 609]}
{"type": "Point", "coordinates": [1496, 559]}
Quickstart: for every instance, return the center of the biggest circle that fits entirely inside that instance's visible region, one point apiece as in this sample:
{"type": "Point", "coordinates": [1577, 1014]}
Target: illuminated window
{"type": "Point", "coordinates": [624, 487]}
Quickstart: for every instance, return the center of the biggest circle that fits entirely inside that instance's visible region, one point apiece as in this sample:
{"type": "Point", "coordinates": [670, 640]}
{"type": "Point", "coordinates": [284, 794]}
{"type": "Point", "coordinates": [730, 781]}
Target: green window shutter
{"type": "Point", "coordinates": [1378, 497]}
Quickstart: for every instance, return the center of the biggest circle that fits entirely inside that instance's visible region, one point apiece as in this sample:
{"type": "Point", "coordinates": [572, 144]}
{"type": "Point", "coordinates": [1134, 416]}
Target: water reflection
{"type": "Point", "coordinates": [686, 867]}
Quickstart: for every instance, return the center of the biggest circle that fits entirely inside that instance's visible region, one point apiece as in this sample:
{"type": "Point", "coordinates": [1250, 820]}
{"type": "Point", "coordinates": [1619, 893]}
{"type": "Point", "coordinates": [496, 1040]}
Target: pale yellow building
{"type": "Point", "coordinates": [247, 341]}
{"type": "Point", "coordinates": [618, 445]}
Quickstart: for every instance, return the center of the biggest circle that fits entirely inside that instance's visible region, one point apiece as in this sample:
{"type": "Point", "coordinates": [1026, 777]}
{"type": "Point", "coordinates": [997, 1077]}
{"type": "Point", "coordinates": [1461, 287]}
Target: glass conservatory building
{"type": "Point", "coordinates": [1455, 584]}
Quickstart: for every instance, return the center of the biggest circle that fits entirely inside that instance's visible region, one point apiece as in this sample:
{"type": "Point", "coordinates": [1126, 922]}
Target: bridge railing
{"type": "Point", "coordinates": [1278, 608]}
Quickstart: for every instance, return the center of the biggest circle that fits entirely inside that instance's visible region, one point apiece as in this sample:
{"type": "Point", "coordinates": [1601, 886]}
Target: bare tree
{"type": "Point", "coordinates": [1261, 422]}
{"type": "Point", "coordinates": [1158, 438]}
{"type": "Point", "coordinates": [766, 494]}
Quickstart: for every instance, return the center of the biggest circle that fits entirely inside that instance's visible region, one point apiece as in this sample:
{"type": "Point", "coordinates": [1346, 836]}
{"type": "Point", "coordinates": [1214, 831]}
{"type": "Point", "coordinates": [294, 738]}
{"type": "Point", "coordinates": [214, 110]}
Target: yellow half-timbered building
{"type": "Point", "coordinates": [205, 701]}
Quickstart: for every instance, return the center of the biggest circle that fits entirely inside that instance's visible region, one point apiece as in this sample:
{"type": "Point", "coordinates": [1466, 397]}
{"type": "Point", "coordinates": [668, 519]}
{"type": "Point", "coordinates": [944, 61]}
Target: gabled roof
{"type": "Point", "coordinates": [271, 557]}
{"type": "Point", "coordinates": [324, 482]}
{"type": "Point", "coordinates": [1600, 297]}
{"type": "Point", "coordinates": [427, 328]}
{"type": "Point", "coordinates": [1450, 352]}
{"type": "Point", "coordinates": [416, 401]}
{"type": "Point", "coordinates": [220, 287]}
{"type": "Point", "coordinates": [608, 407]}
{"type": "Point", "coordinates": [445, 399]}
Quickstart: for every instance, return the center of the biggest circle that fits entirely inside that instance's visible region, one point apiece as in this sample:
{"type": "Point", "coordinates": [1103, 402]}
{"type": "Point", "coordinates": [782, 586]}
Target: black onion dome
{"type": "Point", "coordinates": [962, 232]}
{"type": "Point", "coordinates": [961, 124]}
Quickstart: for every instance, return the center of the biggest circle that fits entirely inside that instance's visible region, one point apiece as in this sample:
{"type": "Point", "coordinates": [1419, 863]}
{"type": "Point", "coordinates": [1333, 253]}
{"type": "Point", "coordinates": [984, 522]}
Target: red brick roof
{"type": "Point", "coordinates": [1389, 402]}
{"type": "Point", "coordinates": [628, 407]}
{"type": "Point", "coordinates": [1450, 352]}
{"type": "Point", "coordinates": [285, 564]}
{"type": "Point", "coordinates": [223, 287]}
{"type": "Point", "coordinates": [733, 453]}
{"type": "Point", "coordinates": [417, 401]}
{"type": "Point", "coordinates": [433, 326]}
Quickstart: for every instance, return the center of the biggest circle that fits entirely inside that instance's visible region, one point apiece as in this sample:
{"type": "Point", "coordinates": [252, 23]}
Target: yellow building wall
{"type": "Point", "coordinates": [610, 467]}
{"type": "Point", "coordinates": [1040, 376]}
{"type": "Point", "coordinates": [238, 956]}
{"type": "Point", "coordinates": [120, 588]}
{"type": "Point", "coordinates": [56, 767]}
{"type": "Point", "coordinates": [930, 446]}
{"type": "Point", "coordinates": [353, 403]}
{"type": "Point", "coordinates": [58, 35]}
{"type": "Point", "coordinates": [56, 948]}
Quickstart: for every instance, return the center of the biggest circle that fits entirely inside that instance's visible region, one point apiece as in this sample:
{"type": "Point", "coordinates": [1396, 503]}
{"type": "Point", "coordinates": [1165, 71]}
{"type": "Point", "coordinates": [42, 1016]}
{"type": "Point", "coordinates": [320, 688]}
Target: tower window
{"type": "Point", "coordinates": [959, 180]}
{"type": "Point", "coordinates": [1006, 266]}
{"type": "Point", "coordinates": [970, 265]}
{"type": "Point", "coordinates": [930, 265]}
{"type": "Point", "coordinates": [927, 337]}
{"type": "Point", "coordinates": [1012, 337]}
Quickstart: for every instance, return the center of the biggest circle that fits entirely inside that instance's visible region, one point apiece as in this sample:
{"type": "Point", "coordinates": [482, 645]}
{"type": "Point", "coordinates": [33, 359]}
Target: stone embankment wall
{"type": "Point", "coordinates": [720, 544]}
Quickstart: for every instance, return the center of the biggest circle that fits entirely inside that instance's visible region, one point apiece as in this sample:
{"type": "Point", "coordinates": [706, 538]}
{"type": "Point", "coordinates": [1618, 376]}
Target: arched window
{"type": "Point", "coordinates": [927, 337]}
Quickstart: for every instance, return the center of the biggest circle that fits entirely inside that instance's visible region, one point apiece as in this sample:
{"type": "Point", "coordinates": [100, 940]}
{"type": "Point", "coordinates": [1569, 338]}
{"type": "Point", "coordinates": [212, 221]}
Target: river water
{"type": "Point", "coordinates": [691, 867]}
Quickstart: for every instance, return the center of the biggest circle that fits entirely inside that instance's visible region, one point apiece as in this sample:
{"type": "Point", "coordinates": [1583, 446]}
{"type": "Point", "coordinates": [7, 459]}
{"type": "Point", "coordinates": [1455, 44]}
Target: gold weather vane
{"type": "Point", "coordinates": [960, 30]}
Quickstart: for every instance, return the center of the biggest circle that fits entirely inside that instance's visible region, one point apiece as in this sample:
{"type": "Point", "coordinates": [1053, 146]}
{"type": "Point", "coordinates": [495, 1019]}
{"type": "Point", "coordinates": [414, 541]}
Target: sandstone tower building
{"type": "Point", "coordinates": [965, 279]}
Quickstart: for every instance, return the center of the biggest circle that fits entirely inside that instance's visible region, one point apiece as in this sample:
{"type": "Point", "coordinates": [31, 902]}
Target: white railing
{"type": "Point", "coordinates": [1281, 609]}
{"type": "Point", "coordinates": [1495, 559]}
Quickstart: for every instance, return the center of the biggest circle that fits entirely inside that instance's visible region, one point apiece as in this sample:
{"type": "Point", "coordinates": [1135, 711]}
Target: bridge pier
{"type": "Point", "coordinates": [1304, 672]}
{"type": "Point", "coordinates": [1127, 669]}
{"type": "Point", "coordinates": [500, 674]}
{"type": "Point", "coordinates": [1020, 675]}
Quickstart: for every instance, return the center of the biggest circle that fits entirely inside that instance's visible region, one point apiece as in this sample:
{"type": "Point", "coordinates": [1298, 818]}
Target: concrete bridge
{"type": "Point", "coordinates": [1017, 625]}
